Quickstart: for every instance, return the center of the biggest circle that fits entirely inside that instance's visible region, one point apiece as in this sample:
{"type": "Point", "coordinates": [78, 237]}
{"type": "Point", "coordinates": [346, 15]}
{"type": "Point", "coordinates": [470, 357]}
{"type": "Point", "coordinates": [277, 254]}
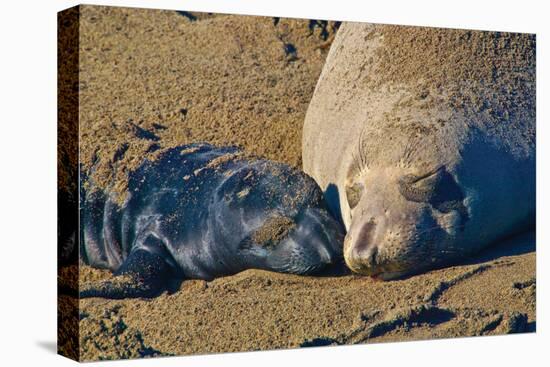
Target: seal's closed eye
{"type": "Point", "coordinates": [421, 189]}
{"type": "Point", "coordinates": [438, 188]}
{"type": "Point", "coordinates": [354, 193]}
{"type": "Point", "coordinates": [435, 187]}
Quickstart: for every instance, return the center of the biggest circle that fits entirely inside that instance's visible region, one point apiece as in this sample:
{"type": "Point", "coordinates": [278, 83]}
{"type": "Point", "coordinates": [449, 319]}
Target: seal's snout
{"type": "Point", "coordinates": [315, 243]}
{"type": "Point", "coordinates": [365, 247]}
{"type": "Point", "coordinates": [361, 250]}
{"type": "Point", "coordinates": [361, 246]}
{"type": "Point", "coordinates": [366, 255]}
{"type": "Point", "coordinates": [322, 234]}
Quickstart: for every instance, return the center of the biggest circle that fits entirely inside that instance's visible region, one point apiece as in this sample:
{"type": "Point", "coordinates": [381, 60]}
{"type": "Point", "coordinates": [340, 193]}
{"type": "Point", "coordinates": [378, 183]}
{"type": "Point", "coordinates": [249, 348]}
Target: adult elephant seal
{"type": "Point", "coordinates": [201, 212]}
{"type": "Point", "coordinates": [423, 140]}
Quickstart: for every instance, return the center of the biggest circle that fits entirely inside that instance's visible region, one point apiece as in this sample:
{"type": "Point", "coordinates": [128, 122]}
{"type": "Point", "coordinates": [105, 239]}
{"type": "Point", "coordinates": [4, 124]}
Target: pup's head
{"type": "Point", "coordinates": [277, 216]}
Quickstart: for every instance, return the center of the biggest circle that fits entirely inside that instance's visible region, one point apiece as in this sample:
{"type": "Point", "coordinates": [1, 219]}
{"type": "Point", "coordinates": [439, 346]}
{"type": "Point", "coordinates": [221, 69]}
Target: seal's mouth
{"type": "Point", "coordinates": [376, 272]}
{"type": "Point", "coordinates": [366, 259]}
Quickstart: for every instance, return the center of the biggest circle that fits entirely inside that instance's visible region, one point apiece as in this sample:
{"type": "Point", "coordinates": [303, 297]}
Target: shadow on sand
{"type": "Point", "coordinates": [48, 345]}
{"type": "Point", "coordinates": [517, 245]}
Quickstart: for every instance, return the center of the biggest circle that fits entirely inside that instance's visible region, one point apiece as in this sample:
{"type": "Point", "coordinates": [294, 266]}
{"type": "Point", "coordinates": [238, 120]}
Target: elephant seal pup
{"type": "Point", "coordinates": [423, 141]}
{"type": "Point", "coordinates": [201, 212]}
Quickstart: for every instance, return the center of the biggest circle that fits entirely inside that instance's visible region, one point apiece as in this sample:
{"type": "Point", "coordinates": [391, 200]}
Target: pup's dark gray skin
{"type": "Point", "coordinates": [200, 212]}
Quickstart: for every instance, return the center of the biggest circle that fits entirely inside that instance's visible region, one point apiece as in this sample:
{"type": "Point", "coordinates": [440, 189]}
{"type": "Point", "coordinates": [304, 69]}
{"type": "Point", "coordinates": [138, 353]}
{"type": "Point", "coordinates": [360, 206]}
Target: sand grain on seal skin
{"type": "Point", "coordinates": [232, 77]}
{"type": "Point", "coordinates": [274, 230]}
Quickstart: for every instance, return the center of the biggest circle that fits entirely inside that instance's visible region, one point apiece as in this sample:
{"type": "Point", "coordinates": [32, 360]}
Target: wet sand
{"type": "Point", "coordinates": [151, 80]}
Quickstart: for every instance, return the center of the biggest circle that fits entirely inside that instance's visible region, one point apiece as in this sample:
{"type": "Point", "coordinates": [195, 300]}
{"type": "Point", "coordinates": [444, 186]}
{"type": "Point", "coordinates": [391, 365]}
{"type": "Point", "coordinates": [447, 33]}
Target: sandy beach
{"type": "Point", "coordinates": [151, 80]}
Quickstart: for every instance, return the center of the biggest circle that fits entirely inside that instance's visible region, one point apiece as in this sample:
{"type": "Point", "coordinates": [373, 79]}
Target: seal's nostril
{"type": "Point", "coordinates": [371, 255]}
{"type": "Point", "coordinates": [366, 256]}
{"type": "Point", "coordinates": [365, 237]}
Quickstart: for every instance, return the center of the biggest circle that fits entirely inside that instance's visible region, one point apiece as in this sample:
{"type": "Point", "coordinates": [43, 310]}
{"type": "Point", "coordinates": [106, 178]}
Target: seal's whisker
{"type": "Point", "coordinates": [362, 154]}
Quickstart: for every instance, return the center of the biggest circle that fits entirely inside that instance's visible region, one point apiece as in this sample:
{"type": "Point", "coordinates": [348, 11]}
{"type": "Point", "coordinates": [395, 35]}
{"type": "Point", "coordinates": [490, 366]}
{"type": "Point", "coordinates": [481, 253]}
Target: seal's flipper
{"type": "Point", "coordinates": [143, 274]}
